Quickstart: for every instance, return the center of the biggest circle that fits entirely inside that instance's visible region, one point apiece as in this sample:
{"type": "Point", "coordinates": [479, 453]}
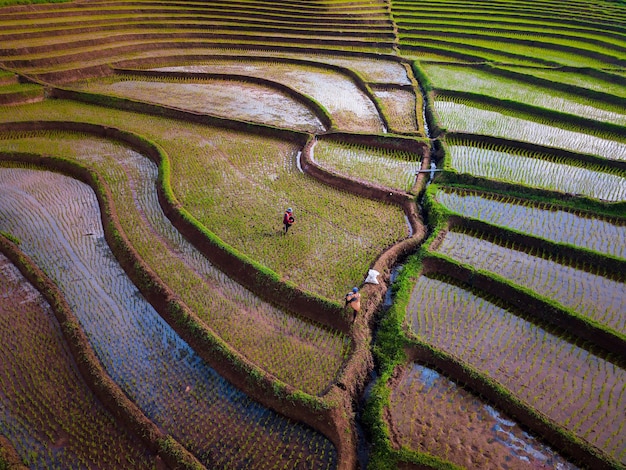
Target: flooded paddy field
{"type": "Point", "coordinates": [221, 175]}
{"type": "Point", "coordinates": [580, 391]}
{"type": "Point", "coordinates": [237, 315]}
{"type": "Point", "coordinates": [48, 412]}
{"type": "Point", "coordinates": [470, 119]}
{"type": "Point", "coordinates": [350, 108]}
{"type": "Point", "coordinates": [462, 78]}
{"type": "Point", "coordinates": [533, 171]}
{"type": "Point", "coordinates": [391, 168]}
{"type": "Point", "coordinates": [400, 108]}
{"type": "Point", "coordinates": [228, 98]}
{"type": "Point", "coordinates": [51, 213]}
{"type": "Point", "coordinates": [433, 414]}
{"type": "Point", "coordinates": [588, 293]}
{"type": "Point", "coordinates": [607, 236]}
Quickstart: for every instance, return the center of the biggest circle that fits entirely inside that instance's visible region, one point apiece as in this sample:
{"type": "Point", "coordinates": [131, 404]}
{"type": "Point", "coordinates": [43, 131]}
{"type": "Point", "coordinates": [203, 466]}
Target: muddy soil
{"type": "Point", "coordinates": [432, 414]}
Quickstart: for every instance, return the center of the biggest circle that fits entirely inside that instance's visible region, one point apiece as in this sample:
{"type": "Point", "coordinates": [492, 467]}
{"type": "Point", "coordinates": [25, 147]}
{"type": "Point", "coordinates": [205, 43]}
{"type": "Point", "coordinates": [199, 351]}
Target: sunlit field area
{"type": "Point", "coordinates": [460, 165]}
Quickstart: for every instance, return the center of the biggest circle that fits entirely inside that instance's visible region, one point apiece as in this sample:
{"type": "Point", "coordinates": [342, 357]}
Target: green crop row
{"type": "Point", "coordinates": [561, 225]}
{"type": "Point", "coordinates": [529, 169]}
{"type": "Point", "coordinates": [493, 82]}
{"type": "Point", "coordinates": [480, 119]}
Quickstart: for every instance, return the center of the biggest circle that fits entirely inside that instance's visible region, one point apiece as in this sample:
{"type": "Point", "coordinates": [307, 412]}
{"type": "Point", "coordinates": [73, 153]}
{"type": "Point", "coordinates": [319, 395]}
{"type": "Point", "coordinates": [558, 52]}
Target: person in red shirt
{"type": "Point", "coordinates": [288, 219]}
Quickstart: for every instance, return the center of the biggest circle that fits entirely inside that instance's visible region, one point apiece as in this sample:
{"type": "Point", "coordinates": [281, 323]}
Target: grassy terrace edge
{"type": "Point", "coordinates": [544, 309]}
{"type": "Point", "coordinates": [103, 387]}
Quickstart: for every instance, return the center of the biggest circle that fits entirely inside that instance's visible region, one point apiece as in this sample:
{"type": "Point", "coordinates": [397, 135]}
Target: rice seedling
{"type": "Point", "coordinates": [386, 167]}
{"type": "Point", "coordinates": [152, 364]}
{"type": "Point", "coordinates": [464, 118]}
{"type": "Point", "coordinates": [589, 293]}
{"type": "Point", "coordinates": [605, 83]}
{"type": "Point", "coordinates": [548, 51]}
{"type": "Point", "coordinates": [530, 169]}
{"type": "Point", "coordinates": [49, 413]}
{"type": "Point", "coordinates": [238, 185]}
{"type": "Point", "coordinates": [553, 375]}
{"type": "Point", "coordinates": [560, 225]}
{"type": "Point", "coordinates": [482, 82]}
{"type": "Point", "coordinates": [430, 413]}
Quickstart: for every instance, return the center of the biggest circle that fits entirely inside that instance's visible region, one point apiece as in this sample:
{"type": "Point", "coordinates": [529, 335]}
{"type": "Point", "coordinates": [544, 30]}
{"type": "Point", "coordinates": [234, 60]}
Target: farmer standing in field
{"type": "Point", "coordinates": [288, 219]}
{"type": "Point", "coordinates": [353, 298]}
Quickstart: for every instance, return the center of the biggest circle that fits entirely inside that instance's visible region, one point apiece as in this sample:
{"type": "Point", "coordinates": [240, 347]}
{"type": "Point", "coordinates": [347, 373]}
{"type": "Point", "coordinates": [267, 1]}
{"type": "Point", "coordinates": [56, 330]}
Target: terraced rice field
{"type": "Point", "coordinates": [424, 403]}
{"type": "Point", "coordinates": [555, 376]}
{"type": "Point", "coordinates": [606, 236]}
{"type": "Point", "coordinates": [148, 150]}
{"type": "Point", "coordinates": [153, 365]}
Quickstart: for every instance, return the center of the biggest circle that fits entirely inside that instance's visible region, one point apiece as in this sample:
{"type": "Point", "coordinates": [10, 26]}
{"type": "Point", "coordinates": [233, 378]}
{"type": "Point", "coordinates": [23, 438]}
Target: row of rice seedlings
{"type": "Point", "coordinates": [430, 413]}
{"type": "Point", "coordinates": [349, 107]}
{"type": "Point", "coordinates": [589, 293]}
{"type": "Point", "coordinates": [546, 53]}
{"type": "Point", "coordinates": [544, 13]}
{"type": "Point", "coordinates": [238, 186]}
{"type": "Point", "coordinates": [425, 47]}
{"type": "Point", "coordinates": [571, 42]}
{"type": "Point", "coordinates": [552, 223]}
{"type": "Point", "coordinates": [379, 70]}
{"type": "Point", "coordinates": [49, 414]}
{"type": "Point", "coordinates": [609, 84]}
{"type": "Point", "coordinates": [386, 167]}
{"type": "Point", "coordinates": [482, 82]}
{"type": "Point", "coordinates": [470, 119]}
{"type": "Point", "coordinates": [172, 385]}
{"type": "Point", "coordinates": [488, 26]}
{"type": "Point", "coordinates": [228, 98]}
{"type": "Point", "coordinates": [373, 70]}
{"type": "Point", "coordinates": [577, 389]}
{"type": "Point", "coordinates": [302, 354]}
{"type": "Point", "coordinates": [532, 169]}
{"type": "Point", "coordinates": [399, 106]}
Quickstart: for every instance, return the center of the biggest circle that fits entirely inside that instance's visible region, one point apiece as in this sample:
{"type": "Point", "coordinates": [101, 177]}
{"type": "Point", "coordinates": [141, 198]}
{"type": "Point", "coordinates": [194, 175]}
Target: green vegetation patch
{"type": "Point", "coordinates": [532, 169]}
{"type": "Point", "coordinates": [469, 79]}
{"type": "Point", "coordinates": [391, 168]}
